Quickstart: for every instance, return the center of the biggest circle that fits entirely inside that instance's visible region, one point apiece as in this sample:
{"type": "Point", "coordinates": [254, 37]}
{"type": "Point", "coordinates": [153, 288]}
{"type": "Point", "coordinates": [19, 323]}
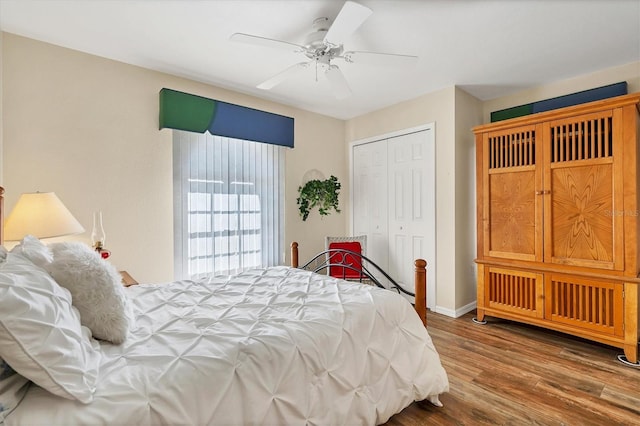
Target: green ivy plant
{"type": "Point", "coordinates": [319, 193]}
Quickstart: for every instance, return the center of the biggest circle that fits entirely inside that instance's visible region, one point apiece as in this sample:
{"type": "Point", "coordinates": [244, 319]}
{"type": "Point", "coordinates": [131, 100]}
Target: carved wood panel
{"type": "Point", "coordinates": [581, 216]}
{"type": "Point", "coordinates": [512, 215]}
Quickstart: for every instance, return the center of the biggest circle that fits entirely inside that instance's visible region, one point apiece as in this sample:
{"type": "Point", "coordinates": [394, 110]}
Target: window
{"type": "Point", "coordinates": [228, 204]}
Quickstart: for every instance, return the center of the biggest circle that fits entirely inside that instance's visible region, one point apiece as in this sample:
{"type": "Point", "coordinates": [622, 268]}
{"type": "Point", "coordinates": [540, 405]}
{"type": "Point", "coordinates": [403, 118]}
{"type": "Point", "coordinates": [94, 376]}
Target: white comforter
{"type": "Point", "coordinates": [275, 346]}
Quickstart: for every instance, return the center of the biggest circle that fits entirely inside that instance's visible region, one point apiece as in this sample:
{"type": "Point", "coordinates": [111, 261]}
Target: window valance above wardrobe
{"type": "Point", "coordinates": [183, 111]}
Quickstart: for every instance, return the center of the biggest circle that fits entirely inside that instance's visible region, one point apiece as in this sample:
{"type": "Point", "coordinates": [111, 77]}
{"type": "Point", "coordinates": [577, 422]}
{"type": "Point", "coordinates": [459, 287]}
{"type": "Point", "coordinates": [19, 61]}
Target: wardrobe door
{"type": "Point", "coordinates": [584, 218]}
{"type": "Point", "coordinates": [512, 194]}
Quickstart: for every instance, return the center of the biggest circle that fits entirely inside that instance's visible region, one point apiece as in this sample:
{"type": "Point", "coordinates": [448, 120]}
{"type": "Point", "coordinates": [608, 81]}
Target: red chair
{"type": "Point", "coordinates": [353, 262]}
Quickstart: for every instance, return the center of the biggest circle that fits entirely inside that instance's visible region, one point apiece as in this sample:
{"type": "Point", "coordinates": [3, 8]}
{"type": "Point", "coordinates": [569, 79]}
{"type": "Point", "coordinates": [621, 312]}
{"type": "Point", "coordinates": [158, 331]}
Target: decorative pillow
{"type": "Point", "coordinates": [34, 250]}
{"type": "Point", "coordinates": [40, 332]}
{"type": "Point", "coordinates": [12, 389]}
{"type": "Point", "coordinates": [96, 289]}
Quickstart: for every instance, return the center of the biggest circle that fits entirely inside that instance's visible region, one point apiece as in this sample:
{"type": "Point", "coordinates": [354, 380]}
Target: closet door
{"type": "Point", "coordinates": [394, 204]}
{"type": "Point", "coordinates": [408, 218]}
{"type": "Point", "coordinates": [370, 199]}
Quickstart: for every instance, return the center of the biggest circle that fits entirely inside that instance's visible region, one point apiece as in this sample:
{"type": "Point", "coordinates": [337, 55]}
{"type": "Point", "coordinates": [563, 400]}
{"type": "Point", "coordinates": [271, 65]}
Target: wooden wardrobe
{"type": "Point", "coordinates": [558, 220]}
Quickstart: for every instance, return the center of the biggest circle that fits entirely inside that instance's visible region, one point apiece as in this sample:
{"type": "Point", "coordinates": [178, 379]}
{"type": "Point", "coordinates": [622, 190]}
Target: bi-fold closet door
{"type": "Point", "coordinates": [370, 199]}
{"type": "Point", "coordinates": [393, 195]}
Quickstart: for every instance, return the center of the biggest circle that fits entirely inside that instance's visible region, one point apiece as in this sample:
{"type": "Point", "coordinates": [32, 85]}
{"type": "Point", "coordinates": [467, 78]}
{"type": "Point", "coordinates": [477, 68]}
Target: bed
{"type": "Point", "coordinates": [279, 345]}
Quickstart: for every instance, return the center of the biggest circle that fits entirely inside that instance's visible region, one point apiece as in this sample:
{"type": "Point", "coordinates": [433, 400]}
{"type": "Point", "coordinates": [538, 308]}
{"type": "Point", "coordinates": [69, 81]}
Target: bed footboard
{"type": "Point", "coordinates": [326, 260]}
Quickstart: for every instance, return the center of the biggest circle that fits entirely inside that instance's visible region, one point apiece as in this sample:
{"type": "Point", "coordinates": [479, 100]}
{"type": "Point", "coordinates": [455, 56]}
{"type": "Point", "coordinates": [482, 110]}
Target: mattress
{"type": "Point", "coordinates": [270, 346]}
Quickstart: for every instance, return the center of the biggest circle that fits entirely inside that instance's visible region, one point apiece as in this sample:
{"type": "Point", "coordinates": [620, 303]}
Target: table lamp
{"type": "Point", "coordinates": [42, 215]}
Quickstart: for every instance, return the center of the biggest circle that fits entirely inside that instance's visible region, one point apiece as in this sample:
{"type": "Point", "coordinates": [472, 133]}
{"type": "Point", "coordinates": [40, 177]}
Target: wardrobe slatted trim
{"type": "Point", "coordinates": [580, 302]}
{"type": "Point", "coordinates": [582, 140]}
{"type": "Point", "coordinates": [512, 150]}
{"type": "Point", "coordinates": [512, 290]}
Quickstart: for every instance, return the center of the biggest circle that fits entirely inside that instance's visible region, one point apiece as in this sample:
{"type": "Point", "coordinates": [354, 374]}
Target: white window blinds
{"type": "Point", "coordinates": [228, 204]}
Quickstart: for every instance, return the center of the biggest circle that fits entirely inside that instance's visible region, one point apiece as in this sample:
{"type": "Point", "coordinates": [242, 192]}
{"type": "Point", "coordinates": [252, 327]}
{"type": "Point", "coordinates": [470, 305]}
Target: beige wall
{"type": "Point", "coordinates": [87, 128]}
{"type": "Point", "coordinates": [320, 147]}
{"type": "Point", "coordinates": [468, 112]}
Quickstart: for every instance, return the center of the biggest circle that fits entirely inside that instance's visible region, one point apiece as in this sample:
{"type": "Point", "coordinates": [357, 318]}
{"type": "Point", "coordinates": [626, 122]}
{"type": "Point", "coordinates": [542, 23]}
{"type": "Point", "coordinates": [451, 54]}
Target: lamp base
{"type": "Point", "coordinates": [104, 253]}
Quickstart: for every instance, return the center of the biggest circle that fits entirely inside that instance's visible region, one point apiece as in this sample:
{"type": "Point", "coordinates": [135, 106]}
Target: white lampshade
{"type": "Point", "coordinates": [42, 215]}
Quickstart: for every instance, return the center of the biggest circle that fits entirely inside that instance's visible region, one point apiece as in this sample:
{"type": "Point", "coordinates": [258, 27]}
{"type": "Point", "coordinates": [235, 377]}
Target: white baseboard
{"type": "Point", "coordinates": [456, 313]}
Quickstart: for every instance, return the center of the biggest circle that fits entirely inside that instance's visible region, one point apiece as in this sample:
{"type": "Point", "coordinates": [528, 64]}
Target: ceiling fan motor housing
{"type": "Point", "coordinates": [315, 46]}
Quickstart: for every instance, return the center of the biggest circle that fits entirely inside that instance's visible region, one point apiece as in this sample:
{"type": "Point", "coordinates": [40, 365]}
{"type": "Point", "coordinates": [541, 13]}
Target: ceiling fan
{"type": "Point", "coordinates": [324, 45]}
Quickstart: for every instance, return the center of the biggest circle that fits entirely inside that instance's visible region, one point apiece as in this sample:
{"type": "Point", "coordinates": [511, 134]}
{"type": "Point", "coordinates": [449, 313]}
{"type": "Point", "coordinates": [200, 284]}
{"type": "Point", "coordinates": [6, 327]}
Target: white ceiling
{"type": "Point", "coordinates": [488, 48]}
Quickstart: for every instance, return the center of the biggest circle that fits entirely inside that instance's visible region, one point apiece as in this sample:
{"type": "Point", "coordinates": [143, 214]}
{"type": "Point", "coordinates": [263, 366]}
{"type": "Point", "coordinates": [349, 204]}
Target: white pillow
{"type": "Point", "coordinates": [34, 250]}
{"type": "Point", "coordinates": [40, 332]}
{"type": "Point", "coordinates": [12, 389]}
{"type": "Point", "coordinates": [96, 289]}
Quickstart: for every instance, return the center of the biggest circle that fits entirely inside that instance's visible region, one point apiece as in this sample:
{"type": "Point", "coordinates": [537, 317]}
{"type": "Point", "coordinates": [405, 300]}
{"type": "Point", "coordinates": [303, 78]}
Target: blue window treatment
{"type": "Point", "coordinates": [183, 111]}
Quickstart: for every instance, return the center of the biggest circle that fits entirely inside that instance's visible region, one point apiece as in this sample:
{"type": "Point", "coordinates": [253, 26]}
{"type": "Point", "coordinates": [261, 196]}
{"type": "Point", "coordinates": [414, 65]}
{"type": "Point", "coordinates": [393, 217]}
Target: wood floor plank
{"type": "Point", "coordinates": [506, 373]}
{"type": "Point", "coordinates": [622, 397]}
{"type": "Point", "coordinates": [588, 409]}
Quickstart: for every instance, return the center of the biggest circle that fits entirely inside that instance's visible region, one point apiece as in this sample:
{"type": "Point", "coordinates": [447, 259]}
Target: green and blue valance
{"type": "Point", "coordinates": [604, 92]}
{"type": "Point", "coordinates": [183, 111]}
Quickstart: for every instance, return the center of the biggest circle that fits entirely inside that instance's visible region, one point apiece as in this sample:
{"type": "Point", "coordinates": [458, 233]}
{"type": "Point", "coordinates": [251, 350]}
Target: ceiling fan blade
{"type": "Point", "coordinates": [282, 76]}
{"type": "Point", "coordinates": [380, 59]}
{"type": "Point", "coordinates": [351, 16]}
{"type": "Point", "coordinates": [339, 84]}
{"type": "Point", "coordinates": [264, 41]}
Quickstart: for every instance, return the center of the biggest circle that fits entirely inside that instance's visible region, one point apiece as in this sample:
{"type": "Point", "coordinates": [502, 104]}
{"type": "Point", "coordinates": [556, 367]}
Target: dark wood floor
{"type": "Point", "coordinates": [505, 373]}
